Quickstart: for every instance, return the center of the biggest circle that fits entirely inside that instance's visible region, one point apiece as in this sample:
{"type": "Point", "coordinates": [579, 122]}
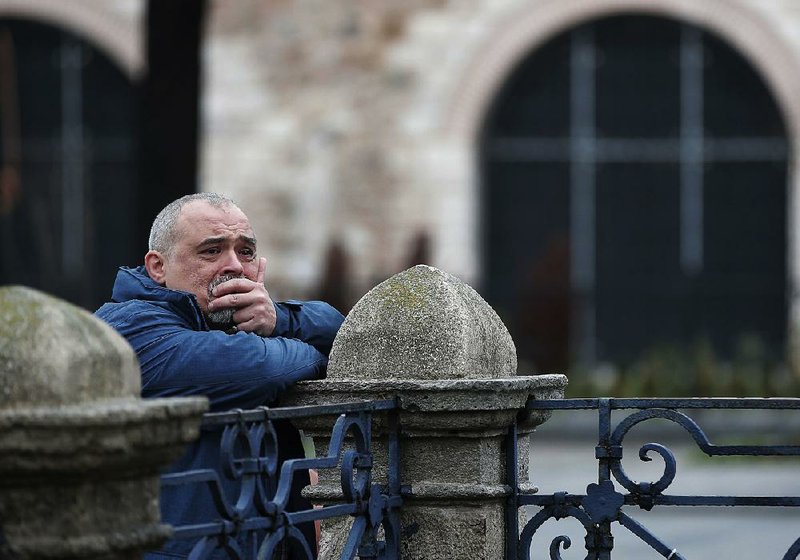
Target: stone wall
{"type": "Point", "coordinates": [310, 147]}
{"type": "Point", "coordinates": [356, 121]}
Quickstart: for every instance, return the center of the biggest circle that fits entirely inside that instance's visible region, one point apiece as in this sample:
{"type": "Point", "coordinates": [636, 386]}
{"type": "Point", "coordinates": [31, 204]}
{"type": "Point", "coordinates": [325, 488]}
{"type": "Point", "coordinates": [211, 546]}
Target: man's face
{"type": "Point", "coordinates": [211, 243]}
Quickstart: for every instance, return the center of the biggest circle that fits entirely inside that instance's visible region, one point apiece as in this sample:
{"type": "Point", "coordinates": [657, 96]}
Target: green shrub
{"type": "Point", "coordinates": [673, 371]}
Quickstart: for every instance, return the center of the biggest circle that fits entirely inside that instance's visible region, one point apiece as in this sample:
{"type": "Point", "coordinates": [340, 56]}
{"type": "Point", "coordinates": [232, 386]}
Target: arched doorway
{"type": "Point", "coordinates": [634, 179]}
{"type": "Point", "coordinates": [68, 194]}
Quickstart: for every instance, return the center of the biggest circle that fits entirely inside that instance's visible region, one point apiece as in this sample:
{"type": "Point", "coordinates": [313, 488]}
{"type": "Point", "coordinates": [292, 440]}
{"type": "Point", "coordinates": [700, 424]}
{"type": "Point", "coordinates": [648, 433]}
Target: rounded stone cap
{"type": "Point", "coordinates": [53, 353]}
{"type": "Point", "coordinates": [422, 324]}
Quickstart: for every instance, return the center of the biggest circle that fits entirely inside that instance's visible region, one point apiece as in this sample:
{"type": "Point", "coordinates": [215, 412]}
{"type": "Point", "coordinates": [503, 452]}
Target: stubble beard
{"type": "Point", "coordinates": [221, 318]}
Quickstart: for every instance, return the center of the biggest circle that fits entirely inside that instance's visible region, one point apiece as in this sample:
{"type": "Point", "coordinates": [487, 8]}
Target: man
{"type": "Point", "coordinates": [202, 322]}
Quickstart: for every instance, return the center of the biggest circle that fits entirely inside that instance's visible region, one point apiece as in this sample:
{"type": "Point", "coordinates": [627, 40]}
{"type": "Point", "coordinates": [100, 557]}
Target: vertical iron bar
{"type": "Point", "coordinates": [394, 453]}
{"type": "Point", "coordinates": [603, 438]}
{"type": "Point", "coordinates": [512, 503]}
{"type": "Point", "coordinates": [604, 473]}
{"type": "Point", "coordinates": [394, 482]}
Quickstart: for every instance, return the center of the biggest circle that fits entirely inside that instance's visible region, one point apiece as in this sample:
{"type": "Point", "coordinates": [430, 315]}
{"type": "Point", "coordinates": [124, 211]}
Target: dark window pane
{"type": "Point", "coordinates": [108, 116]}
{"type": "Point", "coordinates": [638, 279]}
{"type": "Point", "coordinates": [527, 206]}
{"type": "Point", "coordinates": [638, 87]}
{"type": "Point", "coordinates": [737, 101]}
{"type": "Point", "coordinates": [743, 287]}
{"type": "Point", "coordinates": [534, 101]}
{"type": "Point", "coordinates": [745, 207]}
{"type": "Point", "coordinates": [36, 63]}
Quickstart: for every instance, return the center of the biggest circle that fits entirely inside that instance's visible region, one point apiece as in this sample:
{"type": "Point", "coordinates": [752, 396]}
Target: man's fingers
{"type": "Point", "coordinates": [262, 270]}
{"type": "Point", "coordinates": [233, 286]}
{"type": "Point", "coordinates": [249, 325]}
{"type": "Point", "coordinates": [250, 319]}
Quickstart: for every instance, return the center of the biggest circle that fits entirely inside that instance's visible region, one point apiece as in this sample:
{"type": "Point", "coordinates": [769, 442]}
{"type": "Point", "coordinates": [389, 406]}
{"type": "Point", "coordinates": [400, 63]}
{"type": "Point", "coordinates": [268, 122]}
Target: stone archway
{"type": "Point", "coordinates": [115, 32]}
{"type": "Point", "coordinates": [524, 28]}
{"type": "Point", "coordinates": [69, 157]}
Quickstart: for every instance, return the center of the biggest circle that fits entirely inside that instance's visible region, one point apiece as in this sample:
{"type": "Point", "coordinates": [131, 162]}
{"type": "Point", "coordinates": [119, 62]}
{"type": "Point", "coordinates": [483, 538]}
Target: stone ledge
{"type": "Point", "coordinates": [93, 546]}
{"type": "Point", "coordinates": [422, 491]}
{"type": "Point", "coordinates": [428, 491]}
{"type": "Point", "coordinates": [110, 436]}
{"type": "Point", "coordinates": [471, 407]}
{"type": "Point", "coordinates": [102, 413]}
{"type": "Point", "coordinates": [471, 394]}
{"type": "Point", "coordinates": [546, 381]}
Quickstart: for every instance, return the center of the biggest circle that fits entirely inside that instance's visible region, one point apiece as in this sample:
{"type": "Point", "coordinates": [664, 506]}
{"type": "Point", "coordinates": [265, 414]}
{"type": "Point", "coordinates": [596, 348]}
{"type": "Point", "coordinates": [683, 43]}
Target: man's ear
{"type": "Point", "coordinates": [154, 263]}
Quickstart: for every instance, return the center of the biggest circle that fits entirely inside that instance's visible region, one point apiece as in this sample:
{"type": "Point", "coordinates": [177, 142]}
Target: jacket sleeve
{"type": "Point", "coordinates": [314, 322]}
{"type": "Point", "coordinates": [242, 370]}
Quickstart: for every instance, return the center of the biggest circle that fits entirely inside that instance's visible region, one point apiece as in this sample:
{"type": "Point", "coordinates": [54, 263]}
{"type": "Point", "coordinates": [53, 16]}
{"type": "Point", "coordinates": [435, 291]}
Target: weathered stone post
{"type": "Point", "coordinates": [80, 452]}
{"type": "Point", "coordinates": [430, 341]}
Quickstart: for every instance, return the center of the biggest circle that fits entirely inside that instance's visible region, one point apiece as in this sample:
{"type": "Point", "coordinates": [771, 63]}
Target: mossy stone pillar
{"type": "Point", "coordinates": [430, 341]}
{"type": "Point", "coordinates": [80, 452]}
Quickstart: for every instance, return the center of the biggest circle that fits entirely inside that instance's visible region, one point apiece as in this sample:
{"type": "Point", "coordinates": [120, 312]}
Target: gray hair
{"type": "Point", "coordinates": [162, 232]}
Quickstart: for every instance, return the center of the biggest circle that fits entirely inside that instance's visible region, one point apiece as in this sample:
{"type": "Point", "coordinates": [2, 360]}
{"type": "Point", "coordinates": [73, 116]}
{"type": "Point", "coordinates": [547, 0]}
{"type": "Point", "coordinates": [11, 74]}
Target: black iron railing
{"type": "Point", "coordinates": [254, 521]}
{"type": "Point", "coordinates": [604, 502]}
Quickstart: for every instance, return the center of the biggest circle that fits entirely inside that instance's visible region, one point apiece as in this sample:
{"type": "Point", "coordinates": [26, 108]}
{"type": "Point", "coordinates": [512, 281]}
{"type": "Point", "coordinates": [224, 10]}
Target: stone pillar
{"type": "Point", "coordinates": [80, 452]}
{"type": "Point", "coordinates": [430, 341]}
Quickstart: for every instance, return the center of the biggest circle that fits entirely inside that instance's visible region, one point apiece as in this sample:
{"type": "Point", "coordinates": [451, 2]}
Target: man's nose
{"type": "Point", "coordinates": [231, 263]}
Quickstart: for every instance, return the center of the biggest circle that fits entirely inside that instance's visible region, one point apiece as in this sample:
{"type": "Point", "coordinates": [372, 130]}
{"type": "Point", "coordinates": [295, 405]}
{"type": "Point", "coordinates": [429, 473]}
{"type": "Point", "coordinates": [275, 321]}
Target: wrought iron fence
{"type": "Point", "coordinates": [604, 503]}
{"type": "Point", "coordinates": [254, 520]}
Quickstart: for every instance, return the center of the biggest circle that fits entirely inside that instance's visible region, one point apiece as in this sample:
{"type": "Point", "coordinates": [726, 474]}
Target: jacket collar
{"type": "Point", "coordinates": [136, 284]}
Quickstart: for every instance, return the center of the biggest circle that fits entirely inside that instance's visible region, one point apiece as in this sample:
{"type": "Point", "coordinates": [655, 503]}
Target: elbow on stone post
{"type": "Point", "coordinates": [430, 342]}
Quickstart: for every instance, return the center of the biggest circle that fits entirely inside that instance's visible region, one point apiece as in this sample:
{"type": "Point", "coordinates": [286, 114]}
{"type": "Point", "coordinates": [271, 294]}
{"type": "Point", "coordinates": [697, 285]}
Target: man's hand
{"type": "Point", "coordinates": [255, 311]}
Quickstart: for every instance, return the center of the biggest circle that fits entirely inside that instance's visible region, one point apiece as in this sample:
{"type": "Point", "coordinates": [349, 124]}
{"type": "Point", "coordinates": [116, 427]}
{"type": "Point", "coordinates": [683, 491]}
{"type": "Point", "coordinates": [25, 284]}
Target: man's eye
{"type": "Point", "coordinates": [210, 251]}
{"type": "Point", "coordinates": [248, 252]}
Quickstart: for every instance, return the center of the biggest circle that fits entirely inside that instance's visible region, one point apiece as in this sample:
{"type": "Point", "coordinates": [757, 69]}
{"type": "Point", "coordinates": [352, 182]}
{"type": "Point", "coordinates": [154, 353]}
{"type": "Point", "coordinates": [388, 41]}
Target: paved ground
{"type": "Point", "coordinates": [741, 533]}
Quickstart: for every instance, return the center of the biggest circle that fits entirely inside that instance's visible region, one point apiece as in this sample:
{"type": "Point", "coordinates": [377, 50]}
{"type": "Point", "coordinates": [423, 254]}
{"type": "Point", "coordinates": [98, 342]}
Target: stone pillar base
{"type": "Point", "coordinates": [452, 531]}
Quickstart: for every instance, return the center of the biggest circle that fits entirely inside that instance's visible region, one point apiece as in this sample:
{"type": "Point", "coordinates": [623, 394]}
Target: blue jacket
{"type": "Point", "coordinates": [180, 356]}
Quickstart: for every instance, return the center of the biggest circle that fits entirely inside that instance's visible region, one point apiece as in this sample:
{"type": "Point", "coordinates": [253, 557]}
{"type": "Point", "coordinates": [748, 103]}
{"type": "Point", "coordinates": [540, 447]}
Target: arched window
{"type": "Point", "coordinates": [67, 164]}
{"type": "Point", "coordinates": [634, 178]}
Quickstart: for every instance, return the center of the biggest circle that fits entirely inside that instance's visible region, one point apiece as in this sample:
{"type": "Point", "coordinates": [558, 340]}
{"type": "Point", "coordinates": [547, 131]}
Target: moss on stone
{"type": "Point", "coordinates": [422, 324]}
{"type": "Point", "coordinates": [53, 353]}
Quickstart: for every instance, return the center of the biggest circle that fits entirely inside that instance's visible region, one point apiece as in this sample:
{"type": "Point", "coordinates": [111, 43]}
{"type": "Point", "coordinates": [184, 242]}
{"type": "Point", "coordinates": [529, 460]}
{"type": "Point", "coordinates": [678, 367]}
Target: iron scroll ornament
{"type": "Point", "coordinates": [258, 513]}
{"type": "Point", "coordinates": [602, 505]}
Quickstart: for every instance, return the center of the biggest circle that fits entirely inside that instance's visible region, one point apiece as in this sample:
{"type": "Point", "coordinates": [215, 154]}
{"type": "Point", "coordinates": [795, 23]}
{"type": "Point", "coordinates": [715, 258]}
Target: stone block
{"type": "Point", "coordinates": [453, 531]}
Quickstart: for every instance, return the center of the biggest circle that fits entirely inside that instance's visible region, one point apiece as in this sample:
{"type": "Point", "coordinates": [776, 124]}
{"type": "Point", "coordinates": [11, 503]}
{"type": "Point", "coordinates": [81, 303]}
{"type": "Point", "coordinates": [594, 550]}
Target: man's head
{"type": "Point", "coordinates": [198, 242]}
